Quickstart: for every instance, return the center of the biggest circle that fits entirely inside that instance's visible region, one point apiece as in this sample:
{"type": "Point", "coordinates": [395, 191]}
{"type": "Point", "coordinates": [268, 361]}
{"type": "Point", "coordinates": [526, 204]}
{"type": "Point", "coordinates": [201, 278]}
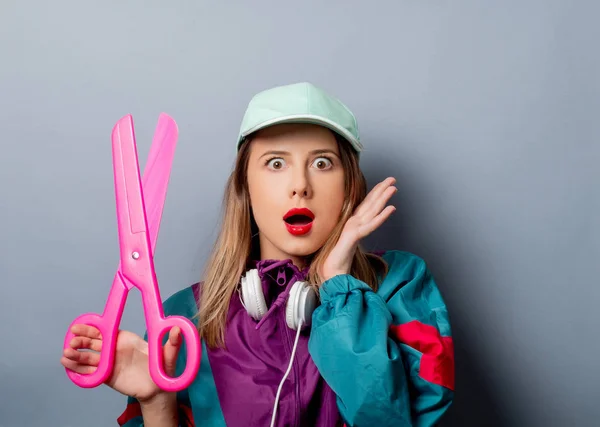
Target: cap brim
{"type": "Point", "coordinates": [309, 119]}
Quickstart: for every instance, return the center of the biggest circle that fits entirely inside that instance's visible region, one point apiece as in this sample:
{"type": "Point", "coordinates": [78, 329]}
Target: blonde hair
{"type": "Point", "coordinates": [235, 247]}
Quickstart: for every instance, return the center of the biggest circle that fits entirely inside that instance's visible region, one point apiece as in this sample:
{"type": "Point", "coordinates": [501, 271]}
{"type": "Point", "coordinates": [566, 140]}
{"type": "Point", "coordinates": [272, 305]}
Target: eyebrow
{"type": "Point", "coordinates": [313, 152]}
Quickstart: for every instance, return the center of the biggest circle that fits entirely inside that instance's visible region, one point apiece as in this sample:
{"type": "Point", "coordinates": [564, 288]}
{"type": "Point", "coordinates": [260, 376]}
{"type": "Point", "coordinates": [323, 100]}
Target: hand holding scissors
{"type": "Point", "coordinates": [139, 212]}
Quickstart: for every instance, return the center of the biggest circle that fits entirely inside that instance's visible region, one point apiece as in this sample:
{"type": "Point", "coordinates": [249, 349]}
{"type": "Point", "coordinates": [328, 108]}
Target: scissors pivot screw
{"type": "Point", "coordinates": [135, 255]}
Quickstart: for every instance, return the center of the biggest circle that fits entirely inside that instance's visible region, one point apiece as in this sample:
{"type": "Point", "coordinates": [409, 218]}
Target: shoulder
{"type": "Point", "coordinates": [183, 302]}
{"type": "Point", "coordinates": [407, 272]}
{"type": "Point", "coordinates": [403, 265]}
{"type": "Point", "coordinates": [411, 292]}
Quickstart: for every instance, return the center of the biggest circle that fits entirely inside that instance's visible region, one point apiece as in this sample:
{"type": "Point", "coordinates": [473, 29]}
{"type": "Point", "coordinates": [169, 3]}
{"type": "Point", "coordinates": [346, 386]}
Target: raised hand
{"type": "Point", "coordinates": [367, 217]}
{"type": "Point", "coordinates": [131, 375]}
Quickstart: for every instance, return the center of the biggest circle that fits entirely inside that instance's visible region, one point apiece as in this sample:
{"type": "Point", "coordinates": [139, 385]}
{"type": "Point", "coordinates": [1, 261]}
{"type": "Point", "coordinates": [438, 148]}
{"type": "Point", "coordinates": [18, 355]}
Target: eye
{"type": "Point", "coordinates": [275, 163]}
{"type": "Point", "coordinates": [322, 163]}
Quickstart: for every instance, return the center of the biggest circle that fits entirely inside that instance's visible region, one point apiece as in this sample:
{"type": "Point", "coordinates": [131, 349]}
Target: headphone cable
{"type": "Point", "coordinates": [286, 374]}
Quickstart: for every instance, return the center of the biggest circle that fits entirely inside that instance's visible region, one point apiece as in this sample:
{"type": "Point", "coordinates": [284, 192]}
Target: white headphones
{"type": "Point", "coordinates": [300, 305]}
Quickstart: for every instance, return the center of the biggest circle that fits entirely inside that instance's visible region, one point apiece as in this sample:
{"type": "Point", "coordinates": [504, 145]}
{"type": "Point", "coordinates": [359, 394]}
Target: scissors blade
{"type": "Point", "coordinates": [157, 173]}
{"type": "Point", "coordinates": [135, 239]}
{"type": "Point", "coordinates": [128, 189]}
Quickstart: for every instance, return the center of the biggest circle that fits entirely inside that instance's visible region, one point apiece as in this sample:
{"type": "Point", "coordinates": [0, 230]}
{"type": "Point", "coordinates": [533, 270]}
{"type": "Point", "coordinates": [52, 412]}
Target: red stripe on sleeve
{"type": "Point", "coordinates": [186, 418]}
{"type": "Point", "coordinates": [437, 361]}
{"type": "Point", "coordinates": [131, 411]}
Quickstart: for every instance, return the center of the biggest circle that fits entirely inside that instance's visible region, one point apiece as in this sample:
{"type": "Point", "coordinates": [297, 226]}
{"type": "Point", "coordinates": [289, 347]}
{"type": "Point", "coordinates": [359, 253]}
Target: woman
{"type": "Point", "coordinates": [299, 325]}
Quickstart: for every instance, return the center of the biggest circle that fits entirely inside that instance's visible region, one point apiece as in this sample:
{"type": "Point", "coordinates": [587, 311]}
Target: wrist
{"type": "Point", "coordinates": [160, 410]}
{"type": "Point", "coordinates": [159, 401]}
{"type": "Point", "coordinates": [330, 274]}
{"type": "Point", "coordinates": [341, 286]}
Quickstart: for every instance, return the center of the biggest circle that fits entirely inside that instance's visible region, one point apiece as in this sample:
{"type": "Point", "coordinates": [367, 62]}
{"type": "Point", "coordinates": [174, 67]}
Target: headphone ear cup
{"type": "Point", "coordinates": [253, 299]}
{"type": "Point", "coordinates": [301, 303]}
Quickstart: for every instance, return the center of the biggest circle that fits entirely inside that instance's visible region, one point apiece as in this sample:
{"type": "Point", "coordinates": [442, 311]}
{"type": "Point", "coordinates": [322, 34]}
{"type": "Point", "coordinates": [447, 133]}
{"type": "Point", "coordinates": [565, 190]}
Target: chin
{"type": "Point", "coordinates": [303, 247]}
{"type": "Point", "coordinates": [288, 245]}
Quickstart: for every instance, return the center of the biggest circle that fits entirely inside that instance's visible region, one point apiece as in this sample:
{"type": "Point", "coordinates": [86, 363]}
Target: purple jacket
{"type": "Point", "coordinates": [370, 358]}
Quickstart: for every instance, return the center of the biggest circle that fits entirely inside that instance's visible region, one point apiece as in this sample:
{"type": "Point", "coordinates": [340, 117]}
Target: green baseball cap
{"type": "Point", "coordinates": [299, 103]}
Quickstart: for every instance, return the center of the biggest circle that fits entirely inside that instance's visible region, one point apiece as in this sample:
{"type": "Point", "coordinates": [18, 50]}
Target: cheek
{"type": "Point", "coordinates": [263, 197]}
{"type": "Point", "coordinates": [332, 198]}
{"type": "Point", "coordinates": [336, 188]}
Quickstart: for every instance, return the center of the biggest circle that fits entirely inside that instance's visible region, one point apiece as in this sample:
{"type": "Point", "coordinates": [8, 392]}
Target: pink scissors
{"type": "Point", "coordinates": [139, 212]}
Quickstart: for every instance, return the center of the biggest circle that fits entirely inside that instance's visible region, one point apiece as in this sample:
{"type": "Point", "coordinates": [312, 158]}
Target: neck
{"type": "Point", "coordinates": [269, 251]}
{"type": "Point", "coordinates": [299, 262]}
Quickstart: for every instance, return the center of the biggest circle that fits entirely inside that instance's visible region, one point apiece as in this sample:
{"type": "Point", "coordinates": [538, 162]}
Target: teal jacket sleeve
{"type": "Point", "coordinates": [388, 355]}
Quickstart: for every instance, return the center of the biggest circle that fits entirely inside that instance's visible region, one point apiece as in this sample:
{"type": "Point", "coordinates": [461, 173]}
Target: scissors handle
{"type": "Point", "coordinates": [107, 324]}
{"type": "Point", "coordinates": [159, 327]}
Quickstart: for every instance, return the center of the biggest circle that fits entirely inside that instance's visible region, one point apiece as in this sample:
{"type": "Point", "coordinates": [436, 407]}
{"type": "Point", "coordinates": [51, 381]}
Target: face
{"type": "Point", "coordinates": [296, 185]}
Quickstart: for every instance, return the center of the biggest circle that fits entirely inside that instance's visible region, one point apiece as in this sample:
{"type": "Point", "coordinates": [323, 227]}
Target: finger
{"type": "Point", "coordinates": [377, 205]}
{"type": "Point", "coordinates": [76, 367]}
{"type": "Point", "coordinates": [82, 357]}
{"type": "Point", "coordinates": [175, 336]}
{"type": "Point", "coordinates": [374, 194]}
{"type": "Point", "coordinates": [86, 331]}
{"type": "Point", "coordinates": [85, 342]}
{"type": "Point", "coordinates": [171, 349]}
{"type": "Point", "coordinates": [376, 222]}
{"type": "Point", "coordinates": [381, 187]}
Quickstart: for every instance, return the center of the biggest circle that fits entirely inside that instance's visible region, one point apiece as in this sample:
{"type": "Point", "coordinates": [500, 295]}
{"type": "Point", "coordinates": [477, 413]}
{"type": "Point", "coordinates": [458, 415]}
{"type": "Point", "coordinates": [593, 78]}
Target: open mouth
{"type": "Point", "coordinates": [301, 216]}
{"type": "Point", "coordinates": [299, 221]}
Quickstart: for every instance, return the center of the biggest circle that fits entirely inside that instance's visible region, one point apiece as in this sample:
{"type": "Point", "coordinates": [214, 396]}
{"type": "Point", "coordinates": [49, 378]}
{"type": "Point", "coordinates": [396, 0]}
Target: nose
{"type": "Point", "coordinates": [300, 186]}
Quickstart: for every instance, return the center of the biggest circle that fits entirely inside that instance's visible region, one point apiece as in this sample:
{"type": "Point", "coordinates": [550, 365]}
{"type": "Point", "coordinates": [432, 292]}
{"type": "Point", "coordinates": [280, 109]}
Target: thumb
{"type": "Point", "coordinates": [171, 349]}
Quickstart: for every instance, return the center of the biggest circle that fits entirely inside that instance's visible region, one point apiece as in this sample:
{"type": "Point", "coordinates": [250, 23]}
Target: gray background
{"type": "Point", "coordinates": [486, 112]}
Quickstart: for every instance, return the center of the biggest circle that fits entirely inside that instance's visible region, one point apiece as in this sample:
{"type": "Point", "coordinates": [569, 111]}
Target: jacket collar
{"type": "Point", "coordinates": [278, 276]}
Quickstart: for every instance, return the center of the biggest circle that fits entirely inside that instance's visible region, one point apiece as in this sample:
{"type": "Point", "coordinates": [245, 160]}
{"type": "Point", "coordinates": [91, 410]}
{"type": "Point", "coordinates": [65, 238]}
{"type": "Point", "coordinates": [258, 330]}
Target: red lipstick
{"type": "Point", "coordinates": [299, 221]}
